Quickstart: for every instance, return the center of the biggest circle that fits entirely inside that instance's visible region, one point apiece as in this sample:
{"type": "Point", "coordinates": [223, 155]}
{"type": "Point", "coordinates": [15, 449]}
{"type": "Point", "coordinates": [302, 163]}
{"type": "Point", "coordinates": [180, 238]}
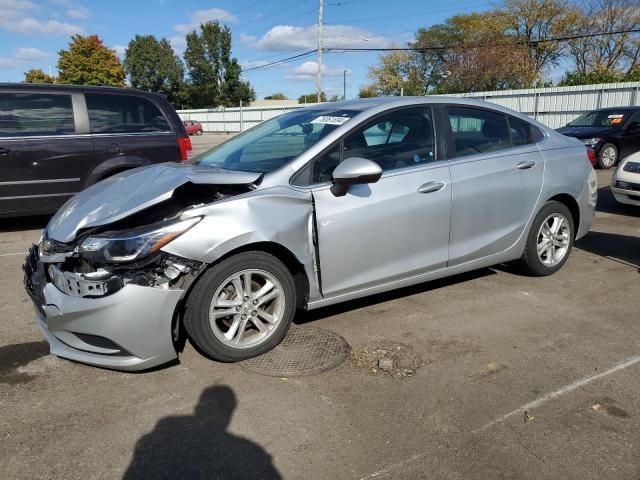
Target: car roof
{"type": "Point", "coordinates": [67, 87]}
{"type": "Point", "coordinates": [363, 104]}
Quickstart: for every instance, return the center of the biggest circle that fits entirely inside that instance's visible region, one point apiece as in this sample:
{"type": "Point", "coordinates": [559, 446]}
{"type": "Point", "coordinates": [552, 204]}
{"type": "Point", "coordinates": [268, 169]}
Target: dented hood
{"type": "Point", "coordinates": [131, 191]}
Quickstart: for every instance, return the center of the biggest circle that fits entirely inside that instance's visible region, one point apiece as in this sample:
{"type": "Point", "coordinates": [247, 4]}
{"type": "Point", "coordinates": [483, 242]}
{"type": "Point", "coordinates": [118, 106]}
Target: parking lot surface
{"type": "Point", "coordinates": [515, 377]}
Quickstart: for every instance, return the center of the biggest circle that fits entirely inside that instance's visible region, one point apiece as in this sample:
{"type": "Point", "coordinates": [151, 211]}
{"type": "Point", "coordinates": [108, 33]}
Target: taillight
{"type": "Point", "coordinates": [185, 148]}
{"type": "Point", "coordinates": [592, 156]}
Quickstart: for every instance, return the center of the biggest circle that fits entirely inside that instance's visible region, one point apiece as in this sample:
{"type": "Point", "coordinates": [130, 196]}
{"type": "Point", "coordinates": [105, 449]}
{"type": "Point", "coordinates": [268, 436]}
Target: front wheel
{"type": "Point", "coordinates": [549, 241]}
{"type": "Point", "coordinates": [241, 307]}
{"type": "Point", "coordinates": [607, 156]}
{"type": "Point", "coordinates": [199, 132]}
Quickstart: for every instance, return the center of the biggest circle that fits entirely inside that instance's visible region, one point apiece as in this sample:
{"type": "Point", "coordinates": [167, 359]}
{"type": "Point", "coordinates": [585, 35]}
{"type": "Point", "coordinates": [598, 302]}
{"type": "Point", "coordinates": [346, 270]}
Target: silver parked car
{"type": "Point", "coordinates": [315, 207]}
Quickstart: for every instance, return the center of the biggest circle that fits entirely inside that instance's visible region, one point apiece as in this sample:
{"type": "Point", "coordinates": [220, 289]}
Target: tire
{"type": "Point", "coordinates": [199, 132]}
{"type": "Point", "coordinates": [546, 264]}
{"type": "Point", "coordinates": [607, 156]}
{"type": "Point", "coordinates": [209, 335]}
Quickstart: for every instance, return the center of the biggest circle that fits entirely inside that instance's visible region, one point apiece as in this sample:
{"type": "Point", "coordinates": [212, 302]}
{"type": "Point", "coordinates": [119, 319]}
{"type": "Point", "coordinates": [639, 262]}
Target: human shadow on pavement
{"type": "Point", "coordinates": [199, 446]}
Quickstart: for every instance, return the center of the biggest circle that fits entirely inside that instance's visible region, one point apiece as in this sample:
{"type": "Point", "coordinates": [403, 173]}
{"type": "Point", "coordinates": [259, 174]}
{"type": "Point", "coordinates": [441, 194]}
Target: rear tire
{"type": "Point", "coordinates": [199, 132]}
{"type": "Point", "coordinates": [229, 322]}
{"type": "Point", "coordinates": [549, 241]}
{"type": "Point", "coordinates": [607, 156]}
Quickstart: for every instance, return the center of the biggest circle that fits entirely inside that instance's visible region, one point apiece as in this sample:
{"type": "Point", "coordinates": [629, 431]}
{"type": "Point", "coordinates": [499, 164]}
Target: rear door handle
{"type": "Point", "coordinates": [527, 164]}
{"type": "Point", "coordinates": [431, 187]}
{"type": "Point", "coordinates": [4, 151]}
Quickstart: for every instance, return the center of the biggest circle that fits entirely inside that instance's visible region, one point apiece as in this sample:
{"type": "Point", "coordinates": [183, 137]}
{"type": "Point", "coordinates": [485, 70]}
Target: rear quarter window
{"type": "Point", "coordinates": [124, 114]}
{"type": "Point", "coordinates": [35, 114]}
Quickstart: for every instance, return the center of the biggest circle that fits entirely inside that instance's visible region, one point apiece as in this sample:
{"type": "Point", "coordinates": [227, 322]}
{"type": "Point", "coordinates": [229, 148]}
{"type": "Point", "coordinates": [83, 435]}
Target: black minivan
{"type": "Point", "coordinates": [614, 133]}
{"type": "Point", "coordinates": [56, 140]}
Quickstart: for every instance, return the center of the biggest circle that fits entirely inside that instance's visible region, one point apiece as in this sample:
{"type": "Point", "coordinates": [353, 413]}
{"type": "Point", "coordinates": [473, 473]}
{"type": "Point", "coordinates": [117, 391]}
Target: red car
{"type": "Point", "coordinates": [193, 128]}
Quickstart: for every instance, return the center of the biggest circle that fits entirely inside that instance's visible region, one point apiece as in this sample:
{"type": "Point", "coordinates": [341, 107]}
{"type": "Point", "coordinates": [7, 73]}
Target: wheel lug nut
{"type": "Point", "coordinates": [255, 302]}
{"type": "Point", "coordinates": [246, 298]}
{"type": "Point", "coordinates": [254, 313]}
{"type": "Point", "coordinates": [238, 308]}
{"type": "Point", "coordinates": [244, 317]}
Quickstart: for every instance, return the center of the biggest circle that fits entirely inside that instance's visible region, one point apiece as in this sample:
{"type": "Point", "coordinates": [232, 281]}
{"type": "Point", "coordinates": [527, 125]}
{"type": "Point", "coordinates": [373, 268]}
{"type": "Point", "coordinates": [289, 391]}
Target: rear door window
{"type": "Point", "coordinates": [478, 131]}
{"type": "Point", "coordinates": [35, 114]}
{"type": "Point", "coordinates": [124, 114]}
{"type": "Point", "coordinates": [521, 132]}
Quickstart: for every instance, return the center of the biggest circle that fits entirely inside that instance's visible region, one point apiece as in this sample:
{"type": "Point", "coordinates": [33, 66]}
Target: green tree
{"type": "Point", "coordinates": [89, 62]}
{"type": "Point", "coordinates": [214, 76]}
{"type": "Point", "coordinates": [312, 98]}
{"type": "Point", "coordinates": [152, 65]}
{"type": "Point", "coordinates": [36, 75]}
{"type": "Point", "coordinates": [276, 96]}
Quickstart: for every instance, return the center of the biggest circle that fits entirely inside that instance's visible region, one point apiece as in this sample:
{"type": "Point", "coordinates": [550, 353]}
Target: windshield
{"type": "Point", "coordinates": [276, 142]}
{"type": "Point", "coordinates": [601, 118]}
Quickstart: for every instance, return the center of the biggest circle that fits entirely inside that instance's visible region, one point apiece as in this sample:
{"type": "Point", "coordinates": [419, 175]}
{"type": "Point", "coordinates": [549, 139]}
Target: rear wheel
{"type": "Point", "coordinates": [607, 156]}
{"type": "Point", "coordinates": [241, 307]}
{"type": "Point", "coordinates": [549, 241]}
{"type": "Point", "coordinates": [199, 132]}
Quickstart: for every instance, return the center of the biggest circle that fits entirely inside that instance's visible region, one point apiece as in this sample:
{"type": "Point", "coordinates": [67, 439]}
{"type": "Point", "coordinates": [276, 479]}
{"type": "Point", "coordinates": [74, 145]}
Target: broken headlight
{"type": "Point", "coordinates": [132, 245]}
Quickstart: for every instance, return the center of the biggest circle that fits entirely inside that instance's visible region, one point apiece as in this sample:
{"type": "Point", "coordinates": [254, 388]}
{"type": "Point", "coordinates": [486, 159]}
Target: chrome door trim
{"type": "Point", "coordinates": [19, 197]}
{"type": "Point", "coordinates": [29, 182]}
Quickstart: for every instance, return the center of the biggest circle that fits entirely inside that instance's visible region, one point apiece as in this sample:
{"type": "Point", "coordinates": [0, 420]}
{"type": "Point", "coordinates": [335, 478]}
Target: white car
{"type": "Point", "coordinates": [625, 183]}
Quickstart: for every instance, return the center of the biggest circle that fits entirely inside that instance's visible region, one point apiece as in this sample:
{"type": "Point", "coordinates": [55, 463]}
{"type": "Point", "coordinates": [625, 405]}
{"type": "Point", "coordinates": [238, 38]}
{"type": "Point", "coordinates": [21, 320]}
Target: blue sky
{"type": "Point", "coordinates": [33, 31]}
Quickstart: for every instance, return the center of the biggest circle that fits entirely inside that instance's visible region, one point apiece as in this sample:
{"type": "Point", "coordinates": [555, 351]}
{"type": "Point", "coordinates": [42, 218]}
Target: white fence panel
{"type": "Point", "coordinates": [554, 106]}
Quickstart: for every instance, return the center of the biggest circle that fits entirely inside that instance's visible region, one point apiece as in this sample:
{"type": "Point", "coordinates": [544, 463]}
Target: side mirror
{"type": "Point", "coordinates": [354, 171]}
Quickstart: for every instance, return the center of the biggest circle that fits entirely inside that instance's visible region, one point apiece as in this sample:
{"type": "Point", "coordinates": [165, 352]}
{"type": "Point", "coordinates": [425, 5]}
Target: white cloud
{"type": "Point", "coordinates": [6, 5]}
{"type": "Point", "coordinates": [285, 37]}
{"type": "Point", "coordinates": [248, 39]}
{"type": "Point", "coordinates": [308, 71]}
{"type": "Point", "coordinates": [178, 42]}
{"type": "Point", "coordinates": [30, 54]}
{"type": "Point", "coordinates": [29, 26]}
{"type": "Point", "coordinates": [252, 63]}
{"type": "Point", "coordinates": [81, 13]}
{"type": "Point", "coordinates": [120, 50]}
{"type": "Point", "coordinates": [202, 16]}
{"type": "Point", "coordinates": [23, 56]}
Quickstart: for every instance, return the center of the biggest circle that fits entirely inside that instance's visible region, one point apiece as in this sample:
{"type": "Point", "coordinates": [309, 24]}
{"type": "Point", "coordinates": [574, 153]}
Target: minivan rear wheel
{"type": "Point", "coordinates": [241, 307]}
{"type": "Point", "coordinates": [549, 241]}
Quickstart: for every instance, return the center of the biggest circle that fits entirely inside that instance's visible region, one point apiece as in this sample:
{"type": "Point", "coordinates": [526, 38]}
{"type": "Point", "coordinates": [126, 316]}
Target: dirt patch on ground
{"type": "Point", "coordinates": [386, 359]}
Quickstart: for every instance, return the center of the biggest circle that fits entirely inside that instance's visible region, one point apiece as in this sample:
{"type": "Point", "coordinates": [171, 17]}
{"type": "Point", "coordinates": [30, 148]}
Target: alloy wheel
{"type": "Point", "coordinates": [553, 239]}
{"type": "Point", "coordinates": [246, 308]}
{"type": "Point", "coordinates": [608, 156]}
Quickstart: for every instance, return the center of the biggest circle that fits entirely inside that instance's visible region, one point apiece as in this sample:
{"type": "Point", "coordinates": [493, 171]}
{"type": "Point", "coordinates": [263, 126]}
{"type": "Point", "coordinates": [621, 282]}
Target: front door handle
{"type": "Point", "coordinates": [527, 164]}
{"type": "Point", "coordinates": [431, 187]}
{"type": "Point", "coordinates": [4, 151]}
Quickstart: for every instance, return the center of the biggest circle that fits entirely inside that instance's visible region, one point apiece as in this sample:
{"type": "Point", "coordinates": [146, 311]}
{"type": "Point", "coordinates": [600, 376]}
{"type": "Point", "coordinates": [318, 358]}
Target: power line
{"type": "Point", "coordinates": [279, 62]}
{"type": "Point", "coordinates": [448, 47]}
{"type": "Point", "coordinates": [441, 47]}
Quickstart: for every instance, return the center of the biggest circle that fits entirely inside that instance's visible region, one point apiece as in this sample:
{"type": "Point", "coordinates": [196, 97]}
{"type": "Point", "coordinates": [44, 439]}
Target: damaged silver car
{"type": "Point", "coordinates": [318, 206]}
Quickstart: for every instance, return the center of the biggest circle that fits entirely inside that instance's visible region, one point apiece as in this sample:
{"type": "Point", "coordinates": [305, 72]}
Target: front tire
{"type": "Point", "coordinates": [199, 132]}
{"type": "Point", "coordinates": [241, 307]}
{"type": "Point", "coordinates": [607, 156]}
{"type": "Point", "coordinates": [549, 241]}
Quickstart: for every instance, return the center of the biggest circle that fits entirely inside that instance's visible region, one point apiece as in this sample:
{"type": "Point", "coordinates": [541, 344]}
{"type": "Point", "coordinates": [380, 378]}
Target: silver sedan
{"type": "Point", "coordinates": [318, 206]}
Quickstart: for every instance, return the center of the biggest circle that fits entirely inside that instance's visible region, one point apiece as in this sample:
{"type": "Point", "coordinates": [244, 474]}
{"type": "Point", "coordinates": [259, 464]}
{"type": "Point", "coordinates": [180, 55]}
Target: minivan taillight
{"type": "Point", "coordinates": [185, 148]}
{"type": "Point", "coordinates": [592, 156]}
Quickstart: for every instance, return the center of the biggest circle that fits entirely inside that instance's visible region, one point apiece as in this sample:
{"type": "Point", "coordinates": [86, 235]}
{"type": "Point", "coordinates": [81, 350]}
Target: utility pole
{"type": "Point", "coordinates": [319, 78]}
{"type": "Point", "coordinates": [344, 85]}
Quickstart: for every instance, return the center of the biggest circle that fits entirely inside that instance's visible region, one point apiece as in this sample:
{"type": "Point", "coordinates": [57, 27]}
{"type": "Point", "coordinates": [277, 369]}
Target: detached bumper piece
{"type": "Point", "coordinates": [127, 330]}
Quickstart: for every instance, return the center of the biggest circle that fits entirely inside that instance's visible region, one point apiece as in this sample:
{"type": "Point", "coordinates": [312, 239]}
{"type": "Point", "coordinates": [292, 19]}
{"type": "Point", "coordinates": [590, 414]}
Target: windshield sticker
{"type": "Point", "coordinates": [328, 120]}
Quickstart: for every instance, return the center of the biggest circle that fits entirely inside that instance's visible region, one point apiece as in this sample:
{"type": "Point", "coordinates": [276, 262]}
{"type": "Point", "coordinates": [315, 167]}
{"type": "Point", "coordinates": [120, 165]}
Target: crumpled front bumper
{"type": "Point", "coordinates": [127, 330]}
